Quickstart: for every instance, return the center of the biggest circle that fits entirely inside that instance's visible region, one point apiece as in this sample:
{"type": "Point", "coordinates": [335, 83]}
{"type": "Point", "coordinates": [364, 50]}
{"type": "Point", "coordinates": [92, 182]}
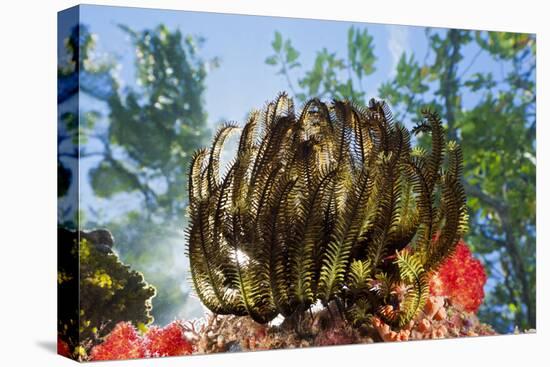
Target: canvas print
{"type": "Point", "coordinates": [234, 183]}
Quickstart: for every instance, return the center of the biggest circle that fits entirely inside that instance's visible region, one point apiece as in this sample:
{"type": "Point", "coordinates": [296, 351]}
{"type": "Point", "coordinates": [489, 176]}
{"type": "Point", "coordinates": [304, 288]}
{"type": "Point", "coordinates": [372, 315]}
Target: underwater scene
{"type": "Point", "coordinates": [232, 183]}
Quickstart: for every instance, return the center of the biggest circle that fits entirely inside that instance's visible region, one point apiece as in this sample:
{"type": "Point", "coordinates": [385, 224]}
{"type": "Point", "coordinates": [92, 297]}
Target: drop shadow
{"type": "Point", "coordinates": [48, 345]}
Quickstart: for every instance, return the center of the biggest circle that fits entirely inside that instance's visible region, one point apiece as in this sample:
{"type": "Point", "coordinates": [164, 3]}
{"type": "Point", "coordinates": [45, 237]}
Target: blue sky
{"type": "Point", "coordinates": [243, 81]}
{"type": "Point", "coordinates": [243, 42]}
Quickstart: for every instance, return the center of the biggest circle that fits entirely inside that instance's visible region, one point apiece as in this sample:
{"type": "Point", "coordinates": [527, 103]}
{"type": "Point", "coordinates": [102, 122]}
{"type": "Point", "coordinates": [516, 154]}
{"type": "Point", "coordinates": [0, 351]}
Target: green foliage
{"type": "Point", "coordinates": [319, 206]}
{"type": "Point", "coordinates": [412, 272]}
{"type": "Point", "coordinates": [107, 180]}
{"type": "Point", "coordinates": [147, 141]}
{"type": "Point", "coordinates": [95, 289]}
{"type": "Point", "coordinates": [79, 70]}
{"type": "Point", "coordinates": [157, 125]}
{"type": "Point", "coordinates": [498, 135]}
{"type": "Point", "coordinates": [361, 52]}
{"type": "Point", "coordinates": [286, 54]}
{"type": "Point", "coordinates": [492, 114]}
{"type": "Point", "coordinates": [330, 76]}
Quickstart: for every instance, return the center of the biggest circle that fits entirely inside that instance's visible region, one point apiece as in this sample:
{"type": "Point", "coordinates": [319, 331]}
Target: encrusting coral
{"type": "Point", "coordinates": [443, 316]}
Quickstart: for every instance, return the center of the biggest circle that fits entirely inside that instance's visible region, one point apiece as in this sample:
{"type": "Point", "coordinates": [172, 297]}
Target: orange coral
{"type": "Point", "coordinates": [433, 305]}
{"type": "Point", "coordinates": [440, 332]}
{"type": "Point", "coordinates": [387, 334]}
{"type": "Point", "coordinates": [439, 319]}
{"type": "Point", "coordinates": [424, 326]}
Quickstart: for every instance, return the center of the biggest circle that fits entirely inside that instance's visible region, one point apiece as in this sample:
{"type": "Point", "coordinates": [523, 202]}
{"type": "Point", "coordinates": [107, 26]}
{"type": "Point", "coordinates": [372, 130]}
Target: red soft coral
{"type": "Point", "coordinates": [461, 278]}
{"type": "Point", "coordinates": [166, 341]}
{"type": "Point", "coordinates": [63, 348]}
{"type": "Point", "coordinates": [124, 342]}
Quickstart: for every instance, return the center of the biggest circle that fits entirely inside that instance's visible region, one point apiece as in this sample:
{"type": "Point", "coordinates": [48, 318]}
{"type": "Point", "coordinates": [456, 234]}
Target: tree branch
{"type": "Point", "coordinates": [511, 245]}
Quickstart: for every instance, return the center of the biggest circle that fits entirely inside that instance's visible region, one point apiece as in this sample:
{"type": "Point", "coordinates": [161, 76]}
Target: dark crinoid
{"type": "Point", "coordinates": [328, 205]}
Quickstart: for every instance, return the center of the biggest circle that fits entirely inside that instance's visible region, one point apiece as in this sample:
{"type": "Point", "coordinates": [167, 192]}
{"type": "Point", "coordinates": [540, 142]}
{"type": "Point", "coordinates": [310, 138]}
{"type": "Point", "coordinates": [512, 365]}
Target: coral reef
{"type": "Point", "coordinates": [330, 205]}
{"type": "Point", "coordinates": [441, 317]}
{"type": "Point", "coordinates": [229, 333]}
{"type": "Point", "coordinates": [96, 291]}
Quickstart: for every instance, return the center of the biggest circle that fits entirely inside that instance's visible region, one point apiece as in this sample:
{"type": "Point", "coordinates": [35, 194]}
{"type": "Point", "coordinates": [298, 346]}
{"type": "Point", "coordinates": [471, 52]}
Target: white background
{"type": "Point", "coordinates": [28, 181]}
